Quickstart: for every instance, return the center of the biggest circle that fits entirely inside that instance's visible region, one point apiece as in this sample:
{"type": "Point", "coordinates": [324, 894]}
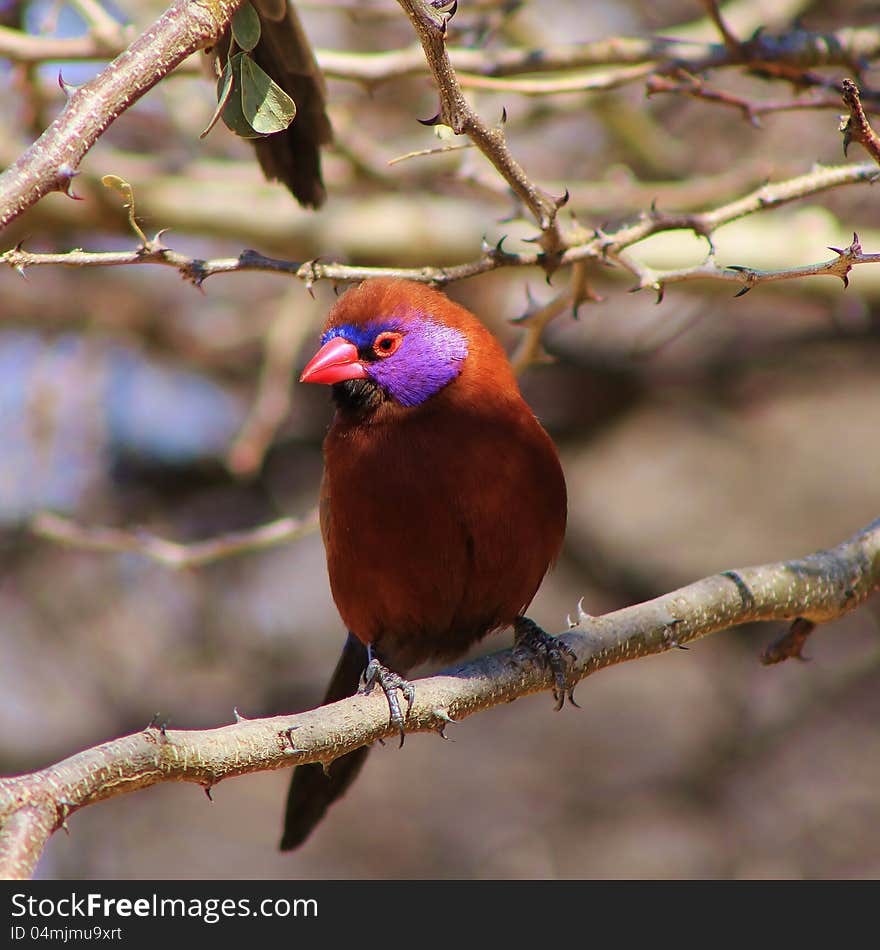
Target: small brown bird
{"type": "Point", "coordinates": [443, 503]}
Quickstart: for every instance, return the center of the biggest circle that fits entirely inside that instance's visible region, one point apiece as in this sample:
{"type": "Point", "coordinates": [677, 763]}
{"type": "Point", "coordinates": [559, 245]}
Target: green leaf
{"type": "Point", "coordinates": [246, 27]}
{"type": "Point", "coordinates": [224, 90]}
{"type": "Point", "coordinates": [266, 106]}
{"type": "Point", "coordinates": [231, 112]}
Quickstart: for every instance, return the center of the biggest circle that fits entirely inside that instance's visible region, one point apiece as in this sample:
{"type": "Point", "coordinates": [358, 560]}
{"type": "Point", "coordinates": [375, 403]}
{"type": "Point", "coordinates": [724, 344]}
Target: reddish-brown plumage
{"type": "Point", "coordinates": [439, 519]}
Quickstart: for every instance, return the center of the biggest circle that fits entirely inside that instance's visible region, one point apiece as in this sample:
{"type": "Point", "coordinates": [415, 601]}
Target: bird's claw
{"type": "Point", "coordinates": [390, 682]}
{"type": "Point", "coordinates": [531, 642]}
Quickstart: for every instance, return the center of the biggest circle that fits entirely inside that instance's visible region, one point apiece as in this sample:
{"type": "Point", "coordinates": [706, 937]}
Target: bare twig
{"type": "Point", "coordinates": [26, 48]}
{"type": "Point", "coordinates": [272, 403]}
{"type": "Point", "coordinates": [592, 81]}
{"type": "Point", "coordinates": [171, 553]}
{"type": "Point", "coordinates": [530, 349]}
{"type": "Point", "coordinates": [714, 14]}
{"type": "Point", "coordinates": [697, 88]}
{"type": "Point", "coordinates": [101, 24]}
{"type": "Point", "coordinates": [424, 152]}
{"type": "Point", "coordinates": [803, 51]}
{"type": "Point", "coordinates": [818, 588]}
{"type": "Point", "coordinates": [456, 112]}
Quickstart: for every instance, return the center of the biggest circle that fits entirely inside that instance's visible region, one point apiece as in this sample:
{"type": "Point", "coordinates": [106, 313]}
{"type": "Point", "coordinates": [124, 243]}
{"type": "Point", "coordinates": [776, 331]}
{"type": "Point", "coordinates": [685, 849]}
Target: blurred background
{"type": "Point", "coordinates": [697, 434]}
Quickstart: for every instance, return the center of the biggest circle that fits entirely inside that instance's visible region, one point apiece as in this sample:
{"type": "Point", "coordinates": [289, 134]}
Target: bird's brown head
{"type": "Point", "coordinates": [399, 342]}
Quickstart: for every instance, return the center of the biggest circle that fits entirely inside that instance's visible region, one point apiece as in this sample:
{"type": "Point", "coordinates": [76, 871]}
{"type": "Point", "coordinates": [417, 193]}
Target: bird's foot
{"type": "Point", "coordinates": [531, 642]}
{"type": "Point", "coordinates": [390, 682]}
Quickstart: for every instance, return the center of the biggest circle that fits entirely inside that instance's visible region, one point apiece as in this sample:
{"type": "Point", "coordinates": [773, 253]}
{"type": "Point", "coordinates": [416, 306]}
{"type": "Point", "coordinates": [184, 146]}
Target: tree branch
{"type": "Point", "coordinates": [818, 588]}
{"type": "Point", "coordinates": [856, 128]}
{"type": "Point", "coordinates": [456, 112]}
{"type": "Point", "coordinates": [751, 111]}
{"type": "Point", "coordinates": [578, 245]}
{"type": "Point", "coordinates": [838, 266]}
{"type": "Point", "coordinates": [50, 164]}
{"type": "Point", "coordinates": [281, 345]}
{"type": "Point", "coordinates": [172, 553]}
{"type": "Point", "coordinates": [801, 51]}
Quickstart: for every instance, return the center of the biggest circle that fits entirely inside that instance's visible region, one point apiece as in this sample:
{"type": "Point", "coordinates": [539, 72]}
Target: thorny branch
{"type": "Point", "coordinates": [51, 163]}
{"type": "Point", "coordinates": [530, 349]}
{"type": "Point", "coordinates": [578, 244]}
{"type": "Point", "coordinates": [816, 589]}
{"type": "Point", "coordinates": [856, 127]}
{"type": "Point", "coordinates": [696, 87]}
{"type": "Point", "coordinates": [456, 112]}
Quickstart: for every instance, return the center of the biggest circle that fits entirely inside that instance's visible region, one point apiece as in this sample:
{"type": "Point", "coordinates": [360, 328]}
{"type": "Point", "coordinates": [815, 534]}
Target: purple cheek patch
{"type": "Point", "coordinates": [429, 358]}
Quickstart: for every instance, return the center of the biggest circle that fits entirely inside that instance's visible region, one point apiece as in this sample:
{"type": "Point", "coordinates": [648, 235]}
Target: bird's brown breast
{"type": "Point", "coordinates": [439, 523]}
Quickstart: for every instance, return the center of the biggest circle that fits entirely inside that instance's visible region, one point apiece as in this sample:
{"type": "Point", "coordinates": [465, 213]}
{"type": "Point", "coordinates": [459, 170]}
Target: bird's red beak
{"type": "Point", "coordinates": [336, 361]}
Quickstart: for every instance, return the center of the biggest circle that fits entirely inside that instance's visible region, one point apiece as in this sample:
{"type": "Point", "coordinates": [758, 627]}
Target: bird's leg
{"type": "Point", "coordinates": [529, 640]}
{"type": "Point", "coordinates": [390, 682]}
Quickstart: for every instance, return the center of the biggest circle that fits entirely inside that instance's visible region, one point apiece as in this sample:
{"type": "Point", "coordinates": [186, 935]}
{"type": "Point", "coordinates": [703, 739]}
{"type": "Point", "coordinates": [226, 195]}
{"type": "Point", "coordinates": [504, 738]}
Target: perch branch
{"type": "Point", "coordinates": [818, 588]}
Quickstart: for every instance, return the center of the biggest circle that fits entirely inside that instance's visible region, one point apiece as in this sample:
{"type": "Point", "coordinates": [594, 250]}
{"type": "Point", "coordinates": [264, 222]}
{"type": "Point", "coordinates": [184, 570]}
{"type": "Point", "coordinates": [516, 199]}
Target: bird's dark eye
{"type": "Point", "coordinates": [387, 342]}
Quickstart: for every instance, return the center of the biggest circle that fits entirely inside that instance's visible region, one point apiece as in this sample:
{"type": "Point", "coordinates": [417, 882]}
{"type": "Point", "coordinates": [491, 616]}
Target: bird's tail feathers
{"type": "Point", "coordinates": [312, 788]}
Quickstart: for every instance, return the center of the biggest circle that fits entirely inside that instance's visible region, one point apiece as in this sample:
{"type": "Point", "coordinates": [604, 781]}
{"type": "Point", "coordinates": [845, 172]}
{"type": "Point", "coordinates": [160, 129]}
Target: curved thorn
{"type": "Point", "coordinates": [67, 88]}
{"type": "Point", "coordinates": [582, 614]}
